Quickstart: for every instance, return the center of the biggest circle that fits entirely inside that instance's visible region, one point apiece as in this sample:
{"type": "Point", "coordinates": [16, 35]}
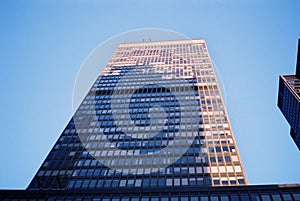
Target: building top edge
{"type": "Point", "coordinates": [164, 42]}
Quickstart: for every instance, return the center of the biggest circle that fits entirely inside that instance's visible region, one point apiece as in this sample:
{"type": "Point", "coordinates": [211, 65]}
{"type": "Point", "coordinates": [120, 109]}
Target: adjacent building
{"type": "Point", "coordinates": [289, 100]}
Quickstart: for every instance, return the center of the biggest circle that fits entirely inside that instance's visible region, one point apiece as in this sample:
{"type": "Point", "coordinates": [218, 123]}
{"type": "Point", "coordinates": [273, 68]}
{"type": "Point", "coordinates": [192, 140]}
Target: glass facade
{"type": "Point", "coordinates": [152, 96]}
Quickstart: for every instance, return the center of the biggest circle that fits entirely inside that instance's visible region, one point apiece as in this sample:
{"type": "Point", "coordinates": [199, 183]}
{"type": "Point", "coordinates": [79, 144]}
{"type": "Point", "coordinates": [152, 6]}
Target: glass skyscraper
{"type": "Point", "coordinates": [154, 118]}
{"type": "Point", "coordinates": [152, 127]}
{"type": "Point", "coordinates": [289, 100]}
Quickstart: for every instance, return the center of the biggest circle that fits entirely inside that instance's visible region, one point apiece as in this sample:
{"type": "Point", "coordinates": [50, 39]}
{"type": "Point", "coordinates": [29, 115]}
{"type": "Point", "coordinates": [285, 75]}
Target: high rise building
{"type": "Point", "coordinates": [115, 138]}
{"type": "Point", "coordinates": [289, 100]}
{"type": "Point", "coordinates": [152, 127]}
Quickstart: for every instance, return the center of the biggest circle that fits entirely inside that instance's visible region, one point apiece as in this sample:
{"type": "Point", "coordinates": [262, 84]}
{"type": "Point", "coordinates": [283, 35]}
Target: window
{"type": "Point", "coordinates": [174, 198]}
{"type": "Point", "coordinates": [227, 158]}
{"type": "Point", "coordinates": [93, 184]}
{"type": "Point", "coordinates": [100, 183]}
{"type": "Point", "coordinates": [276, 197]}
{"type": "Point", "coordinates": [176, 182]}
{"type": "Point", "coordinates": [232, 149]}
{"type": "Point", "coordinates": [232, 181]}
{"type": "Point", "coordinates": [224, 198]}
{"type": "Point", "coordinates": [296, 196]}
{"type": "Point", "coordinates": [254, 197]}
{"type": "Point", "coordinates": [225, 149]}
{"type": "Point", "coordinates": [138, 182]}
{"type": "Point", "coordinates": [212, 159]}
{"type": "Point", "coordinates": [265, 197]}
{"type": "Point", "coordinates": [85, 184]}
{"type": "Point", "coordinates": [154, 198]}
{"type": "Point", "coordinates": [194, 198]}
{"type": "Point", "coordinates": [164, 198]}
{"type": "Point", "coordinates": [214, 198]}
{"type": "Point", "coordinates": [144, 199]}
{"type": "Point", "coordinates": [216, 182]}
{"type": "Point", "coordinates": [286, 196]}
{"type": "Point", "coordinates": [244, 197]}
{"type": "Point", "coordinates": [207, 181]}
{"type": "Point", "coordinates": [218, 149]}
{"type": "Point", "coordinates": [184, 181]}
{"type": "Point", "coordinates": [204, 198]}
{"type": "Point", "coordinates": [145, 182]}
{"type": "Point", "coordinates": [224, 182]}
{"type": "Point", "coordinates": [71, 183]}
{"type": "Point", "coordinates": [153, 182]}
{"type": "Point", "coordinates": [241, 181]}
{"type": "Point", "coordinates": [237, 168]}
{"type": "Point", "coordinates": [184, 198]}
{"type": "Point", "coordinates": [115, 183]}
{"type": "Point", "coordinates": [234, 197]}
{"type": "Point", "coordinates": [78, 184]}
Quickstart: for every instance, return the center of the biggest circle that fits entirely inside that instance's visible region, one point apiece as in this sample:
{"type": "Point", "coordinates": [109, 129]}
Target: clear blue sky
{"type": "Point", "coordinates": [44, 43]}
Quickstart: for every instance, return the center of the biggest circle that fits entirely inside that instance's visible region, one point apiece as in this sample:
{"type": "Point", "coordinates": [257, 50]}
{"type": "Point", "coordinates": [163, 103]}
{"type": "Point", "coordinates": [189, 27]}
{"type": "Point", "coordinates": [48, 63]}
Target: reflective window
{"type": "Point", "coordinates": [265, 197]}
{"type": "Point", "coordinates": [286, 196]}
{"type": "Point", "coordinates": [224, 198]}
{"type": "Point", "coordinates": [276, 197]}
{"type": "Point", "coordinates": [184, 198]}
{"type": "Point", "coordinates": [164, 198]}
{"type": "Point", "coordinates": [244, 197]}
{"type": "Point", "coordinates": [296, 196]}
{"type": "Point", "coordinates": [204, 198]}
{"type": "Point", "coordinates": [174, 198]}
{"type": "Point", "coordinates": [214, 198]}
{"type": "Point", "coordinates": [194, 198]}
{"type": "Point", "coordinates": [234, 197]}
